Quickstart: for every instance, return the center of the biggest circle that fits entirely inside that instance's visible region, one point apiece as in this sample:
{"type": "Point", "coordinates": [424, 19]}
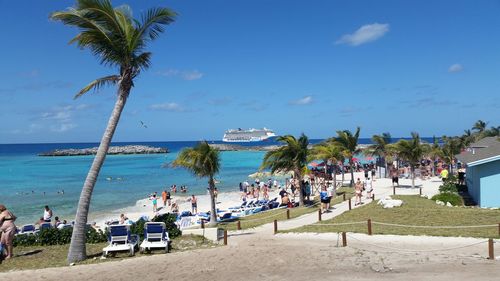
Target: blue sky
{"type": "Point", "coordinates": [293, 66]}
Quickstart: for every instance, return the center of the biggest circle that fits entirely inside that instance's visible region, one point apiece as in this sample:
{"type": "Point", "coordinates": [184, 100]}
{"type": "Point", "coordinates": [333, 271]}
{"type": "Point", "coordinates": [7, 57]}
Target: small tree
{"type": "Point", "coordinates": [379, 148]}
{"type": "Point", "coordinates": [327, 151]}
{"type": "Point", "coordinates": [412, 151]}
{"type": "Point", "coordinates": [202, 161]}
{"type": "Point", "coordinates": [292, 157]}
{"type": "Point", "coordinates": [348, 144]}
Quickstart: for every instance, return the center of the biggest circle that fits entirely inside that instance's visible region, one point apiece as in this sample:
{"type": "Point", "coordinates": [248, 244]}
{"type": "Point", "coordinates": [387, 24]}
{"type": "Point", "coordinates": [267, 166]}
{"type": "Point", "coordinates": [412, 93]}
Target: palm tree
{"type": "Point", "coordinates": [292, 157]}
{"type": "Point", "coordinates": [479, 126]}
{"type": "Point", "coordinates": [412, 151]}
{"type": "Point", "coordinates": [348, 144]}
{"type": "Point", "coordinates": [328, 152]}
{"type": "Point", "coordinates": [203, 161]}
{"type": "Point", "coordinates": [119, 41]}
{"type": "Point", "coordinates": [435, 152]}
{"type": "Point", "coordinates": [451, 147]}
{"type": "Point", "coordinates": [379, 148]}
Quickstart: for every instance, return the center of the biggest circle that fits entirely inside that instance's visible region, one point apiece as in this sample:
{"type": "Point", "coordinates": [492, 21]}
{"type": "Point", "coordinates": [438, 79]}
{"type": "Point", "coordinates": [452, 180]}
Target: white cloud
{"type": "Point", "coordinates": [183, 74]}
{"type": "Point", "coordinates": [455, 68]}
{"type": "Point", "coordinates": [168, 106]}
{"type": "Point", "coordinates": [61, 117]}
{"type": "Point", "coordinates": [60, 128]}
{"type": "Point", "coordinates": [365, 34]}
{"type": "Point", "coordinates": [303, 101]}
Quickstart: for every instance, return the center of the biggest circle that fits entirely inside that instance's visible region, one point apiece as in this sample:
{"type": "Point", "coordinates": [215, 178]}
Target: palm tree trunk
{"type": "Point", "coordinates": [301, 188]}
{"type": "Point", "coordinates": [334, 174]}
{"type": "Point", "coordinates": [77, 250]}
{"type": "Point", "coordinates": [213, 211]}
{"type": "Point", "coordinates": [343, 174]}
{"type": "Point", "coordinates": [412, 176]}
{"type": "Point", "coordinates": [352, 173]}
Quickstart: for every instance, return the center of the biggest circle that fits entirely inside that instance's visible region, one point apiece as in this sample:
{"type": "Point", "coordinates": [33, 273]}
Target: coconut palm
{"type": "Point", "coordinates": [412, 151]}
{"type": "Point", "coordinates": [348, 144]}
{"type": "Point", "coordinates": [451, 147]}
{"type": "Point", "coordinates": [379, 148]}
{"type": "Point", "coordinates": [292, 157]}
{"type": "Point", "coordinates": [118, 41]}
{"type": "Point", "coordinates": [479, 126]}
{"type": "Point", "coordinates": [328, 152]}
{"type": "Point", "coordinates": [203, 161]}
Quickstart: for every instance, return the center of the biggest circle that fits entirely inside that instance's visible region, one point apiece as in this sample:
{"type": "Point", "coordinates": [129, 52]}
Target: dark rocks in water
{"type": "Point", "coordinates": [235, 147]}
{"type": "Point", "coordinates": [113, 150]}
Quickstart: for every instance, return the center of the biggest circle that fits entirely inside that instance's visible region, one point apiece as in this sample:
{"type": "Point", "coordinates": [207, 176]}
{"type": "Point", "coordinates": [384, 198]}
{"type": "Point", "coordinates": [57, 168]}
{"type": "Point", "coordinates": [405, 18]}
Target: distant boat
{"type": "Point", "coordinates": [250, 135]}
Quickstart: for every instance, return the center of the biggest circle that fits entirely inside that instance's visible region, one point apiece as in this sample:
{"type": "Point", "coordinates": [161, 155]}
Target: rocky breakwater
{"type": "Point", "coordinates": [113, 150]}
{"type": "Point", "coordinates": [235, 147]}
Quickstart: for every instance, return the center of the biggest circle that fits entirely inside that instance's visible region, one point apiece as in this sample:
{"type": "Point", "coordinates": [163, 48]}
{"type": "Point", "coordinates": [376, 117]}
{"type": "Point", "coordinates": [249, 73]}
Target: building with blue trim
{"type": "Point", "coordinates": [482, 161]}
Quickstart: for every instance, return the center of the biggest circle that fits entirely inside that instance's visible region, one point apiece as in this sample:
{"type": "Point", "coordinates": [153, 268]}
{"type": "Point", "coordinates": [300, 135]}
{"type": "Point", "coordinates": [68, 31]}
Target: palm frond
{"type": "Point", "coordinates": [99, 83]}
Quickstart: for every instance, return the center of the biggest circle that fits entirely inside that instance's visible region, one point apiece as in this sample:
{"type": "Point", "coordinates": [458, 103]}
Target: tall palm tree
{"type": "Point", "coordinates": [328, 152]}
{"type": "Point", "coordinates": [451, 147]}
{"type": "Point", "coordinates": [292, 157]}
{"type": "Point", "coordinates": [119, 41]}
{"type": "Point", "coordinates": [479, 126]}
{"type": "Point", "coordinates": [348, 144]}
{"type": "Point", "coordinates": [379, 148]}
{"type": "Point", "coordinates": [203, 161]}
{"type": "Point", "coordinates": [412, 151]}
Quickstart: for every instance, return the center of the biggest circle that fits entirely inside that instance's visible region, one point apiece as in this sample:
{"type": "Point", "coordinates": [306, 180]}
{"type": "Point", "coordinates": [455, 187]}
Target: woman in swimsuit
{"type": "Point", "coordinates": [358, 187]}
{"type": "Point", "coordinates": [7, 230]}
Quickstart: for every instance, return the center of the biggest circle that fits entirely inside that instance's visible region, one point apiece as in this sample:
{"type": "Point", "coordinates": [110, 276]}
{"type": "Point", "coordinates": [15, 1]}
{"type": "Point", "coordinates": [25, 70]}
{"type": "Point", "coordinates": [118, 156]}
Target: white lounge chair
{"type": "Point", "coordinates": [120, 239]}
{"type": "Point", "coordinates": [155, 236]}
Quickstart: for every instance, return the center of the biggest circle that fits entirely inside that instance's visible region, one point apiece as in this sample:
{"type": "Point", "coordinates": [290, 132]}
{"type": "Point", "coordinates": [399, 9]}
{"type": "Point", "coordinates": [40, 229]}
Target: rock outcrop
{"type": "Point", "coordinates": [113, 150]}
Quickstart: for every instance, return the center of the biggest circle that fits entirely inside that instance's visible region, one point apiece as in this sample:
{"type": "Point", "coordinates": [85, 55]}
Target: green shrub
{"type": "Point", "coordinates": [453, 198]}
{"type": "Point", "coordinates": [54, 236]}
{"type": "Point", "coordinates": [448, 187]}
{"type": "Point", "coordinates": [168, 219]}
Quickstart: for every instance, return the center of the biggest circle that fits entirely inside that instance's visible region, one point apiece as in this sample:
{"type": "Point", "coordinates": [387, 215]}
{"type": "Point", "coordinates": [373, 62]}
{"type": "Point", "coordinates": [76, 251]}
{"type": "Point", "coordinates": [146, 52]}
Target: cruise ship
{"type": "Point", "coordinates": [250, 135]}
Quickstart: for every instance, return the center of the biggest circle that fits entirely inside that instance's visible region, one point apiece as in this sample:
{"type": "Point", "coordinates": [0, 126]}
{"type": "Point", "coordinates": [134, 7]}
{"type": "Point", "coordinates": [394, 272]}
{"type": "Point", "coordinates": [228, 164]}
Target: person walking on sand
{"type": "Point", "coordinates": [164, 197]}
{"type": "Point", "coordinates": [155, 203]}
{"type": "Point", "coordinates": [358, 188]}
{"type": "Point", "coordinates": [47, 214]}
{"type": "Point", "coordinates": [194, 204]}
{"type": "Point", "coordinates": [7, 230]}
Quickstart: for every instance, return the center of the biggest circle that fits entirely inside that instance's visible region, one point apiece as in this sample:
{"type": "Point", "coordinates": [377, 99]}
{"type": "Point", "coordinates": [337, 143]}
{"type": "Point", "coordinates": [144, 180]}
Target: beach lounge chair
{"type": "Point", "coordinates": [155, 236]}
{"type": "Point", "coordinates": [120, 239]}
{"type": "Point", "coordinates": [45, 225]}
{"type": "Point", "coordinates": [27, 229]}
{"type": "Point", "coordinates": [226, 217]}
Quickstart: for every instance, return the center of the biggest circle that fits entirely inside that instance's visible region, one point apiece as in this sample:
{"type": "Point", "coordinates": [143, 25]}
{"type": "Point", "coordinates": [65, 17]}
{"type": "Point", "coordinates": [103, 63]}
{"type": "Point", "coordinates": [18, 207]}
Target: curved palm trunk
{"type": "Point", "coordinates": [77, 249]}
{"type": "Point", "coordinates": [412, 176]}
{"type": "Point", "coordinates": [301, 188]}
{"type": "Point", "coordinates": [351, 184]}
{"type": "Point", "coordinates": [213, 211]}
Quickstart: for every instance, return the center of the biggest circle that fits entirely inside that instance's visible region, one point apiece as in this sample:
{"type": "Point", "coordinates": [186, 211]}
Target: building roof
{"type": "Point", "coordinates": [483, 151]}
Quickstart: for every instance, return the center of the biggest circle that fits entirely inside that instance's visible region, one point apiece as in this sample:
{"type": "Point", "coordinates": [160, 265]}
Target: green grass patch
{"type": "Point", "coordinates": [415, 211]}
{"type": "Point", "coordinates": [280, 214]}
{"type": "Point", "coordinates": [36, 257]}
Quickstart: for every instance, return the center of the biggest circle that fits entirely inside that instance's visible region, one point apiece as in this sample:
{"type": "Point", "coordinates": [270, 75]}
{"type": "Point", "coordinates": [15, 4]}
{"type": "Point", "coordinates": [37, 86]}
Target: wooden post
{"type": "Point", "coordinates": [238, 224]}
{"type": "Point", "coordinates": [491, 250]}
{"type": "Point", "coordinates": [393, 190]}
{"type": "Point", "coordinates": [344, 239]}
{"type": "Point", "coordinates": [350, 207]}
{"type": "Point", "coordinates": [287, 214]}
{"type": "Point", "coordinates": [420, 191]}
{"type": "Point", "coordinates": [202, 224]}
{"type": "Point", "coordinates": [343, 197]}
{"type": "Point", "coordinates": [275, 226]}
{"type": "Point", "coordinates": [373, 196]}
{"type": "Point", "coordinates": [225, 236]}
{"type": "Point", "coordinates": [319, 215]}
{"type": "Point", "coordinates": [498, 229]}
{"type": "Point", "coordinates": [369, 227]}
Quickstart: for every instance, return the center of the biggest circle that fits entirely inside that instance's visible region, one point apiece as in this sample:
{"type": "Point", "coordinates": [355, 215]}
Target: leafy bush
{"type": "Point", "coordinates": [54, 236]}
{"type": "Point", "coordinates": [451, 179]}
{"type": "Point", "coordinates": [448, 187]}
{"type": "Point", "coordinates": [453, 198]}
{"type": "Point", "coordinates": [168, 219]}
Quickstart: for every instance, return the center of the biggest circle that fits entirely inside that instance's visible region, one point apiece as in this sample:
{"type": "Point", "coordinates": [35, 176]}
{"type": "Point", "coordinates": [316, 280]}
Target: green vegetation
{"type": "Point", "coordinates": [36, 257]}
{"type": "Point", "coordinates": [449, 197]}
{"type": "Point", "coordinates": [168, 219]}
{"type": "Point", "coordinates": [415, 211]}
{"type": "Point", "coordinates": [54, 236]}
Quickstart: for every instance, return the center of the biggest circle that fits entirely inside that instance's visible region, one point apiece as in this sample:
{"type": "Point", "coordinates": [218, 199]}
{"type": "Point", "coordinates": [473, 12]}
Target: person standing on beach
{"type": "Point", "coordinates": [358, 188]}
{"type": "Point", "coordinates": [164, 197]}
{"type": "Point", "coordinates": [47, 214]}
{"type": "Point", "coordinates": [369, 188]}
{"type": "Point", "coordinates": [155, 203]}
{"type": "Point", "coordinates": [194, 204]}
{"type": "Point", "coordinates": [7, 230]}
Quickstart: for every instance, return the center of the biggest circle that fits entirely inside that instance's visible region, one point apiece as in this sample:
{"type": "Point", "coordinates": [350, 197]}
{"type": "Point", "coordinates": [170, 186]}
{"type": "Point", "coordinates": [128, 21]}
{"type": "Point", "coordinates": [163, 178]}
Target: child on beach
{"type": "Point", "coordinates": [155, 203]}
